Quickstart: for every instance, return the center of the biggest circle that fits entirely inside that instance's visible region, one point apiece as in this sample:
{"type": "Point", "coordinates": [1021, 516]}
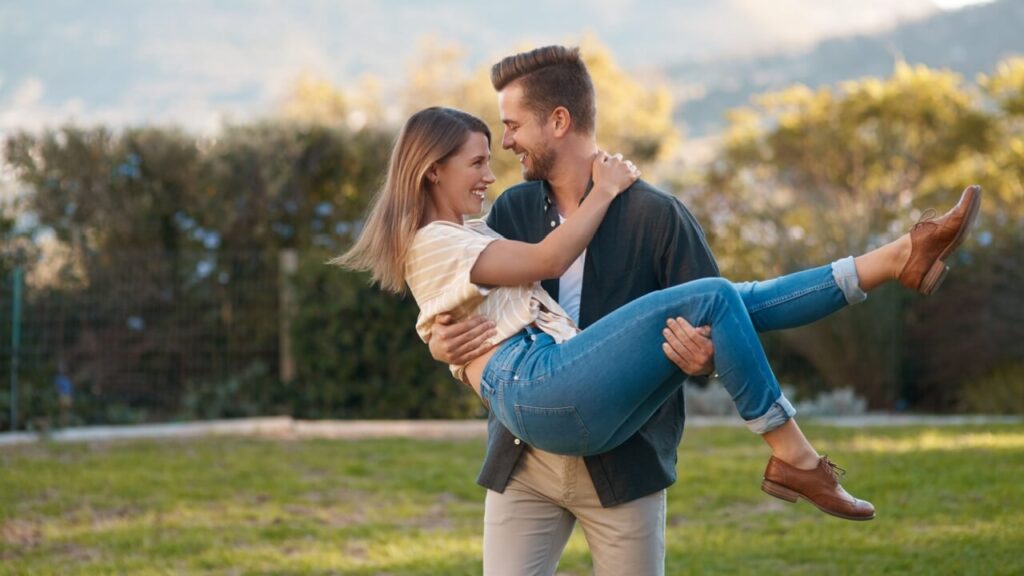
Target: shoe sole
{"type": "Point", "coordinates": [782, 493]}
{"type": "Point", "coordinates": [937, 273]}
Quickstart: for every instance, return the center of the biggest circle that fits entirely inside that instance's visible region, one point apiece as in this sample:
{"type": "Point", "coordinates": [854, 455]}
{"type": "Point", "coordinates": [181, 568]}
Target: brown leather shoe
{"type": "Point", "coordinates": [932, 240]}
{"type": "Point", "coordinates": [819, 486]}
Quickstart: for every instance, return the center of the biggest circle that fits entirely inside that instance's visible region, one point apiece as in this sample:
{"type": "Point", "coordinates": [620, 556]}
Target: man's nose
{"type": "Point", "coordinates": [506, 141]}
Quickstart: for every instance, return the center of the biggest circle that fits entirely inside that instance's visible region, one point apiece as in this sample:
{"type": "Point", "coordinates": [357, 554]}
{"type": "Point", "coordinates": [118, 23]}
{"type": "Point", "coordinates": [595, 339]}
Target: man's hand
{"type": "Point", "coordinates": [688, 347]}
{"type": "Point", "coordinates": [460, 342]}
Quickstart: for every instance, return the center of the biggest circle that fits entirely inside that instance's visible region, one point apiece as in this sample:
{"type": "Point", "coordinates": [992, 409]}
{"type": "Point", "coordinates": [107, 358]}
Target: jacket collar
{"type": "Point", "coordinates": [549, 196]}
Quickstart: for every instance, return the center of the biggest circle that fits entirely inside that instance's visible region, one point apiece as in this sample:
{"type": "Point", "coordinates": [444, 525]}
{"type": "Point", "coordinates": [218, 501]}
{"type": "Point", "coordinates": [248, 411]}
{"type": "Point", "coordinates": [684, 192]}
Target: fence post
{"type": "Point", "coordinates": [15, 341]}
{"type": "Point", "coordinates": [288, 264]}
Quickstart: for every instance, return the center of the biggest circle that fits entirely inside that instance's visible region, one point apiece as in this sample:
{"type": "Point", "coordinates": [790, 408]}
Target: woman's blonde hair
{"type": "Point", "coordinates": [429, 137]}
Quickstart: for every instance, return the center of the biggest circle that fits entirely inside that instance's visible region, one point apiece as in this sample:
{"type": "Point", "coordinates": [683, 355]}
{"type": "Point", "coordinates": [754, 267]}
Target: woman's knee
{"type": "Point", "coordinates": [723, 293]}
{"type": "Point", "coordinates": [717, 285]}
{"type": "Point", "coordinates": [702, 299]}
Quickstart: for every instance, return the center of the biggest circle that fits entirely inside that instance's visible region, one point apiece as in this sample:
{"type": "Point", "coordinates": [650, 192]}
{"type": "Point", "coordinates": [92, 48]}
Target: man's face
{"type": "Point", "coordinates": [528, 136]}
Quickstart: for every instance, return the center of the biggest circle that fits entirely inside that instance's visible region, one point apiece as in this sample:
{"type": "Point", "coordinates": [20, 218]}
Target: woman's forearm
{"type": "Point", "coordinates": [510, 263]}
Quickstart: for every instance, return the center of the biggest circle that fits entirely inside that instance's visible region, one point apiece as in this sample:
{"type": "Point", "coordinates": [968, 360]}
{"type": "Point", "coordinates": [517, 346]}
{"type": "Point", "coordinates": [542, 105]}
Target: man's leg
{"type": "Point", "coordinates": [624, 539]}
{"type": "Point", "coordinates": [526, 527]}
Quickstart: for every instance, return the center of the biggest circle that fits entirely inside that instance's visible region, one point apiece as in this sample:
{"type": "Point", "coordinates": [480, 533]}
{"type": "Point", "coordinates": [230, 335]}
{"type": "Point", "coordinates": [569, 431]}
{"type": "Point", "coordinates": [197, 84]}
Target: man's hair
{"type": "Point", "coordinates": [551, 76]}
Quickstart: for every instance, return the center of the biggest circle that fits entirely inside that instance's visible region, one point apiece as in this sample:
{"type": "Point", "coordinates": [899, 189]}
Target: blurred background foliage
{"type": "Point", "coordinates": [175, 276]}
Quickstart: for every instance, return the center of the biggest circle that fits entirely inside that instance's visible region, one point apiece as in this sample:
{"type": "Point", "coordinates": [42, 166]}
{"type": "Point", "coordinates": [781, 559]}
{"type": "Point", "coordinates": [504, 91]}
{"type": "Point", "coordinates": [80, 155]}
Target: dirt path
{"type": "Point", "coordinates": [286, 427]}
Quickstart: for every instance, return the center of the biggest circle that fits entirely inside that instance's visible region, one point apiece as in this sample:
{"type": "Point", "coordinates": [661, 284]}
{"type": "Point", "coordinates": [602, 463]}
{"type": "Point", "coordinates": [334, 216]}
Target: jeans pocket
{"type": "Point", "coordinates": [486, 390]}
{"type": "Point", "coordinates": [556, 430]}
{"type": "Point", "coordinates": [506, 358]}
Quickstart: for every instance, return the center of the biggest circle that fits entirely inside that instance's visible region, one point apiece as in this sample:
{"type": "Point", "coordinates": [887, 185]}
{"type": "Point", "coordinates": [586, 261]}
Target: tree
{"type": "Point", "coordinates": [358, 355]}
{"type": "Point", "coordinates": [172, 284]}
{"type": "Point", "coordinates": [634, 119]}
{"type": "Point", "coordinates": [315, 101]}
{"type": "Point", "coordinates": [975, 356]}
{"type": "Point", "coordinates": [807, 176]}
{"type": "Point", "coordinates": [1003, 166]}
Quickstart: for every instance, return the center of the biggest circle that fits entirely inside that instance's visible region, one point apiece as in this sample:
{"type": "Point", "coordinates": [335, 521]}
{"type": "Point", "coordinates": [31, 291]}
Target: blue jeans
{"type": "Point", "coordinates": [589, 394]}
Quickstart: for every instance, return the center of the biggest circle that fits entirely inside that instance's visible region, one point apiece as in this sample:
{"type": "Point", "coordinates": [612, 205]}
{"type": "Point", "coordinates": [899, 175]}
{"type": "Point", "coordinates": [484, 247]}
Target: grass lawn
{"type": "Point", "coordinates": [950, 501]}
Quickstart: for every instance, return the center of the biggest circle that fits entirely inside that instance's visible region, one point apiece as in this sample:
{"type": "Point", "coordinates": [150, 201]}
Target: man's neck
{"type": "Point", "coordinates": [570, 176]}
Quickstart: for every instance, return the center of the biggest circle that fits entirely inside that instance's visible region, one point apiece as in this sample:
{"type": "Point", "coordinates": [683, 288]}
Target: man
{"type": "Point", "coordinates": [647, 241]}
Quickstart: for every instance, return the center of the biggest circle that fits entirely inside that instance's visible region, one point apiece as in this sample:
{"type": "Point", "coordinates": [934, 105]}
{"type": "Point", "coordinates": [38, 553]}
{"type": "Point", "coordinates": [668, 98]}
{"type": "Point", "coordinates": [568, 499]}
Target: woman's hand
{"type": "Point", "coordinates": [511, 263]}
{"type": "Point", "coordinates": [613, 174]}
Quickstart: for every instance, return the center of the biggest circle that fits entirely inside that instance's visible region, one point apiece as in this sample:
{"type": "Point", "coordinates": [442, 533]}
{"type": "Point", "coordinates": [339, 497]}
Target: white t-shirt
{"type": "Point", "coordinates": [570, 285]}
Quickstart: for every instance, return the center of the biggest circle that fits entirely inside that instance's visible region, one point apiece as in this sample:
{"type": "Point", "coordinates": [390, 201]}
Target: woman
{"type": "Point", "coordinates": [583, 393]}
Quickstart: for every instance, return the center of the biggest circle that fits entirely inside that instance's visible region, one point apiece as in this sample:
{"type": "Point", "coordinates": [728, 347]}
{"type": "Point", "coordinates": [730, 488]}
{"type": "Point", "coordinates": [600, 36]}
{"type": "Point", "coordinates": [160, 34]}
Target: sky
{"type": "Point", "coordinates": [197, 63]}
{"type": "Point", "coordinates": [954, 4]}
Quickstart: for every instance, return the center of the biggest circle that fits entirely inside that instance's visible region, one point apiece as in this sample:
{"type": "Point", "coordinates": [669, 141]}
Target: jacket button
{"type": "Point", "coordinates": [552, 223]}
{"type": "Point", "coordinates": [518, 442]}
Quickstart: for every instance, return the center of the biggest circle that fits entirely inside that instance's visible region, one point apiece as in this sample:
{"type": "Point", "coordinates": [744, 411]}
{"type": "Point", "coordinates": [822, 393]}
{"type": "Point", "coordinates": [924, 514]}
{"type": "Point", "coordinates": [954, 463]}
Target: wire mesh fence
{"type": "Point", "coordinates": [134, 335]}
{"type": "Point", "coordinates": [153, 336]}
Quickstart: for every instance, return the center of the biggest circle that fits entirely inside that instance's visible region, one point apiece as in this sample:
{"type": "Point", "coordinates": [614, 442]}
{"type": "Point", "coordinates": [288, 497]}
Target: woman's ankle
{"type": "Point", "coordinates": [789, 444]}
{"type": "Point", "coordinates": [901, 254]}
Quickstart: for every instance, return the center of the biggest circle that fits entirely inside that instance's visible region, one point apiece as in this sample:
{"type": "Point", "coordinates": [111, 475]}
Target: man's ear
{"type": "Point", "coordinates": [561, 121]}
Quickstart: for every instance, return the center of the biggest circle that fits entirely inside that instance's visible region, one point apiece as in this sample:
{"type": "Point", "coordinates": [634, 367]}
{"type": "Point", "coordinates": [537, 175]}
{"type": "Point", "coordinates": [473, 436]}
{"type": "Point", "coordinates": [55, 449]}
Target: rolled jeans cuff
{"type": "Point", "coordinates": [780, 411]}
{"type": "Point", "coordinates": [845, 273]}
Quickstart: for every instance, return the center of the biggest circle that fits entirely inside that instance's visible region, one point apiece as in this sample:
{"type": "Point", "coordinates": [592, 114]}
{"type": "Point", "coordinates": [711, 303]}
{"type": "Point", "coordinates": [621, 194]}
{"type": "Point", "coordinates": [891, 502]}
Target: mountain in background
{"type": "Point", "coordinates": [968, 41]}
{"type": "Point", "coordinates": [197, 62]}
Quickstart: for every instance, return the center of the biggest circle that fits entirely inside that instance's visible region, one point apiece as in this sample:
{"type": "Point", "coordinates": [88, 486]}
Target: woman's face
{"type": "Point", "coordinates": [462, 180]}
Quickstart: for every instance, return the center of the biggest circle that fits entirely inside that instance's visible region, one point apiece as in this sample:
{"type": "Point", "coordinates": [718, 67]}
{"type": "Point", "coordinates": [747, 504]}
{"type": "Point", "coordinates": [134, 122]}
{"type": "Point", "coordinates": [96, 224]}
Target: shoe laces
{"type": "Point", "coordinates": [835, 470]}
{"type": "Point", "coordinates": [928, 216]}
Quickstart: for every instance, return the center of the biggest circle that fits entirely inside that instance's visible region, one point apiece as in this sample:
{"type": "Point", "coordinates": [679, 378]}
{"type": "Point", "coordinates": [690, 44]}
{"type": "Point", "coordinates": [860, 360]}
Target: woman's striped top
{"type": "Point", "coordinates": [437, 269]}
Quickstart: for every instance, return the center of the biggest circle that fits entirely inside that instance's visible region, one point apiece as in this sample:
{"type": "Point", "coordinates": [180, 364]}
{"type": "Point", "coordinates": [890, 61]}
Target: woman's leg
{"type": "Point", "coordinates": [789, 444]}
{"type": "Point", "coordinates": [791, 300]}
{"type": "Point", "coordinates": [883, 264]}
{"type": "Point", "coordinates": [609, 379]}
{"type": "Point", "coordinates": [788, 301]}
{"type": "Point", "coordinates": [807, 296]}
{"type": "Point", "coordinates": [802, 297]}
{"type": "Point", "coordinates": [591, 393]}
{"type": "Point", "coordinates": [916, 259]}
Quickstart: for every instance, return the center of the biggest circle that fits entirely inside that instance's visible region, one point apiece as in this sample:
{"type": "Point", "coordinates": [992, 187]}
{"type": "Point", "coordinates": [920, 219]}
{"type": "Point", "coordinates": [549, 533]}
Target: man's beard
{"type": "Point", "coordinates": [541, 164]}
